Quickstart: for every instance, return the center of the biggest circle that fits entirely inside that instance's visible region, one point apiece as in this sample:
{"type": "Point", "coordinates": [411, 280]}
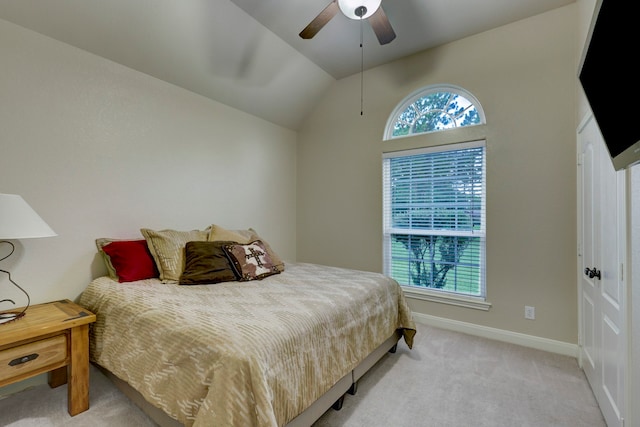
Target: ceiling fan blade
{"type": "Point", "coordinates": [320, 20]}
{"type": "Point", "coordinates": [382, 27]}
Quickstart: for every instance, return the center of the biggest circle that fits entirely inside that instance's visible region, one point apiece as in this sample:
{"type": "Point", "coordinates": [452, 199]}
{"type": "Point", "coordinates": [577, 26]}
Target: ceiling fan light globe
{"type": "Point", "coordinates": [349, 7]}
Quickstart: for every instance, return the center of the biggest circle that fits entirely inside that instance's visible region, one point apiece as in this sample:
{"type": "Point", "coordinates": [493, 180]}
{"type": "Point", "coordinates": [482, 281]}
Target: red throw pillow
{"type": "Point", "coordinates": [131, 260]}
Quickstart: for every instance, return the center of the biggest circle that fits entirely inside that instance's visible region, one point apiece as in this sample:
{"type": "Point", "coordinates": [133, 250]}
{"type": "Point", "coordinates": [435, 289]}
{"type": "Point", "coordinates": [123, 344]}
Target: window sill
{"type": "Point", "coordinates": [446, 298]}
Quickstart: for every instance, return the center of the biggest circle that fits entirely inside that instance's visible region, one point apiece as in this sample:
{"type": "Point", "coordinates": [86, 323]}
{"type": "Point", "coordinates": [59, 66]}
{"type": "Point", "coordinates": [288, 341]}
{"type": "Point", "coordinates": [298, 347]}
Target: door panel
{"type": "Point", "coordinates": [602, 290]}
{"type": "Point", "coordinates": [610, 380]}
{"type": "Point", "coordinates": [588, 333]}
{"type": "Point", "coordinates": [589, 254]}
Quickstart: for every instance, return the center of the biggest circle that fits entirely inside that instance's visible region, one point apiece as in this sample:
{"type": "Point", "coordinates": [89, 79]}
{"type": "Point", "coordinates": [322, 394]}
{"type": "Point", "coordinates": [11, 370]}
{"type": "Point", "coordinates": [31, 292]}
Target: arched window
{"type": "Point", "coordinates": [434, 200]}
{"type": "Point", "coordinates": [432, 109]}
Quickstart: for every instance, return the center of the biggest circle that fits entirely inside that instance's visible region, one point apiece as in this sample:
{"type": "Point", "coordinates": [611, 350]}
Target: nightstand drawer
{"type": "Point", "coordinates": [33, 356]}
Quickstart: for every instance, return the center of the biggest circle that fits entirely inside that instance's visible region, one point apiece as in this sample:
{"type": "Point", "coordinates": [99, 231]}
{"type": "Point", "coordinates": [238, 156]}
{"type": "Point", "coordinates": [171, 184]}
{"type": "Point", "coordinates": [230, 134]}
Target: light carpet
{"type": "Point", "coordinates": [449, 379]}
{"type": "Point", "coordinates": [452, 379]}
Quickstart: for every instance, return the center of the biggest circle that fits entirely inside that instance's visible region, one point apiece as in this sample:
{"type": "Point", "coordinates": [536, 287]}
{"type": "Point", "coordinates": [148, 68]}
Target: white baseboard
{"type": "Point", "coordinates": [545, 344]}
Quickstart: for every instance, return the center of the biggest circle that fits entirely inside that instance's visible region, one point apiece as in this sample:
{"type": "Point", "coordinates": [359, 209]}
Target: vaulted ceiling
{"type": "Point", "coordinates": [247, 53]}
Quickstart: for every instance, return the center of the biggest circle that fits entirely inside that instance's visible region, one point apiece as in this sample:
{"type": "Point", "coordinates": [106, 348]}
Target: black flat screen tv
{"type": "Point", "coordinates": [611, 80]}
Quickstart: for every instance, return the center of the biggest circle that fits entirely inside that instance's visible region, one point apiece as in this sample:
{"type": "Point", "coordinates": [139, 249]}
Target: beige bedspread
{"type": "Point", "coordinates": [243, 353]}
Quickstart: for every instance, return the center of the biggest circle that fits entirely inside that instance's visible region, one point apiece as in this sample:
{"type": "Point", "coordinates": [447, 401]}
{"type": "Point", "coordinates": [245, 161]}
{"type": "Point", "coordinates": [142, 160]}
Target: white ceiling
{"type": "Point", "coordinates": [247, 53]}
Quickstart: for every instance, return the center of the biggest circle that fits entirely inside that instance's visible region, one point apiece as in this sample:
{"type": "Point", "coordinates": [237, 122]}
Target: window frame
{"type": "Point", "coordinates": [449, 138]}
{"type": "Point", "coordinates": [425, 91]}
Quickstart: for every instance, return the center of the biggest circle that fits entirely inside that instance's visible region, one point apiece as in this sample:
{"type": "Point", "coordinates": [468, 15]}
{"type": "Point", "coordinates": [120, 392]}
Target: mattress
{"type": "Point", "coordinates": [254, 353]}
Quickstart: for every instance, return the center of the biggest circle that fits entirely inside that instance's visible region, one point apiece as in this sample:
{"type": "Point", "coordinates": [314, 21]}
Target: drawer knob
{"type": "Point", "coordinates": [23, 359]}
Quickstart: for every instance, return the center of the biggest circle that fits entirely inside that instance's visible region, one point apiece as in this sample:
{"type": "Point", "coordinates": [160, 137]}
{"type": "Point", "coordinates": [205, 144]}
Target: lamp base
{"type": "Point", "coordinates": [10, 316]}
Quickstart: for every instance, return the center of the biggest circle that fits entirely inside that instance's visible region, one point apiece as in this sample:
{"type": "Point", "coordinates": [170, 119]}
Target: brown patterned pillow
{"type": "Point", "coordinates": [206, 263]}
{"type": "Point", "coordinates": [250, 261]}
{"type": "Point", "coordinates": [218, 233]}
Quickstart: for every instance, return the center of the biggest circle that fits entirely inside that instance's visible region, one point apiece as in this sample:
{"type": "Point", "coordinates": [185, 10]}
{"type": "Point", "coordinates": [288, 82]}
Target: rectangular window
{"type": "Point", "coordinates": [434, 218]}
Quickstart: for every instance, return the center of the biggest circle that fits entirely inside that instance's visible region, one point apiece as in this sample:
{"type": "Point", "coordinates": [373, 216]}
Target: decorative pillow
{"type": "Point", "coordinates": [130, 260]}
{"type": "Point", "coordinates": [102, 242]}
{"type": "Point", "coordinates": [205, 263]}
{"type": "Point", "coordinates": [167, 249]}
{"type": "Point", "coordinates": [218, 233]}
{"type": "Point", "coordinates": [250, 261]}
{"type": "Point", "coordinates": [277, 261]}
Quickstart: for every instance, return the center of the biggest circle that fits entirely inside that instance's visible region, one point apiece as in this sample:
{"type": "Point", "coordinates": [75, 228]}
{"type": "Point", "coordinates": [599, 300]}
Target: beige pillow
{"type": "Point", "coordinates": [244, 237]}
{"type": "Point", "coordinates": [217, 234]}
{"type": "Point", "coordinates": [167, 249]}
{"type": "Point", "coordinates": [100, 243]}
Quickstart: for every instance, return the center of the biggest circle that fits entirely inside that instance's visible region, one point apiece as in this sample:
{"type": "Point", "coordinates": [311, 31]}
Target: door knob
{"type": "Point", "coordinates": [593, 272]}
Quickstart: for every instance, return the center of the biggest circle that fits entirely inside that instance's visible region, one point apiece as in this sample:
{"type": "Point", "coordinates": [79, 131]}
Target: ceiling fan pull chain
{"type": "Point", "coordinates": [361, 68]}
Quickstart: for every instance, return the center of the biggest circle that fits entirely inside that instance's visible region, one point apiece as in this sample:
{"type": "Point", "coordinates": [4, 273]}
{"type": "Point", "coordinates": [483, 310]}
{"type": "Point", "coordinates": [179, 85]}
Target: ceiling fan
{"type": "Point", "coordinates": [357, 10]}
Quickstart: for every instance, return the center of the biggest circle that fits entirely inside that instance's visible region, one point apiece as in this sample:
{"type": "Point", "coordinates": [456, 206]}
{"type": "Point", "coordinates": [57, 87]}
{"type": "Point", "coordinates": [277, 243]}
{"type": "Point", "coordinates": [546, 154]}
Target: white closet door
{"type": "Point", "coordinates": [602, 296]}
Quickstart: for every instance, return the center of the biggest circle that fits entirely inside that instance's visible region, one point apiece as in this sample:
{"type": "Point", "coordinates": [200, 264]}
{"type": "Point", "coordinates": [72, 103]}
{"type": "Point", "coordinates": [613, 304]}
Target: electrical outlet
{"type": "Point", "coordinates": [529, 312]}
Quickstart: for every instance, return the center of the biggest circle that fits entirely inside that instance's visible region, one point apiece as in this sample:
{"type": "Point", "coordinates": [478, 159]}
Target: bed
{"type": "Point", "coordinates": [278, 351]}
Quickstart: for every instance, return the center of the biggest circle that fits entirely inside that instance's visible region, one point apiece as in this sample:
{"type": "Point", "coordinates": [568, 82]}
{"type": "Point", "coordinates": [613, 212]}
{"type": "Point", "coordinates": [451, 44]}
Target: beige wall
{"type": "Point", "coordinates": [586, 12]}
{"type": "Point", "coordinates": [100, 150]}
{"type": "Point", "coordinates": [524, 76]}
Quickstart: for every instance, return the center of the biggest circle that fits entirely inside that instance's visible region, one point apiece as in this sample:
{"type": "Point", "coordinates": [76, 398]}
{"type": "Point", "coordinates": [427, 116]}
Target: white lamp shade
{"type": "Point", "coordinates": [19, 221]}
{"type": "Point", "coordinates": [349, 7]}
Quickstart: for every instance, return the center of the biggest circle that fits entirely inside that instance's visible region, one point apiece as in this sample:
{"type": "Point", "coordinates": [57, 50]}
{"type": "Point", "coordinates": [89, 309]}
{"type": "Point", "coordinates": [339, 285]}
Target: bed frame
{"type": "Point", "coordinates": [332, 398]}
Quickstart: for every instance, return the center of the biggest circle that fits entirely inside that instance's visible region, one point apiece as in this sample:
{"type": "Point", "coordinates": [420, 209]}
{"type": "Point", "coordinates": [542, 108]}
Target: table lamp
{"type": "Point", "coordinates": [18, 221]}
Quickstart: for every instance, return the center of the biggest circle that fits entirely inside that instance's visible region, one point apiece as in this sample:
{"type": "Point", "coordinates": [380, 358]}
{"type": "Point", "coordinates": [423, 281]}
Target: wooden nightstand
{"type": "Point", "coordinates": [53, 338]}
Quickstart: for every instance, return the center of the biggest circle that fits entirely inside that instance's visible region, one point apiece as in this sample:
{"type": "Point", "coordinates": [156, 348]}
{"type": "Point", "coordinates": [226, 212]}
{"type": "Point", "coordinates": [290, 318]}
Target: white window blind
{"type": "Point", "coordinates": [434, 217]}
